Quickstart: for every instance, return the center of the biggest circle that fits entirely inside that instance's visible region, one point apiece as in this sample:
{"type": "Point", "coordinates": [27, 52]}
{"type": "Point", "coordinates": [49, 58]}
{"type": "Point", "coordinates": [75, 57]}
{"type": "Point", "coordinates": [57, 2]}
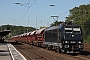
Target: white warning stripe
{"type": "Point", "coordinates": [10, 47]}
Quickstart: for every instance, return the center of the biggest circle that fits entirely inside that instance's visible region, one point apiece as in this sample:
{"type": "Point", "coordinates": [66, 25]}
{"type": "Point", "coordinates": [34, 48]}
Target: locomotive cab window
{"type": "Point", "coordinates": [76, 30]}
{"type": "Point", "coordinates": [73, 30]}
{"type": "Point", "coordinates": [68, 30]}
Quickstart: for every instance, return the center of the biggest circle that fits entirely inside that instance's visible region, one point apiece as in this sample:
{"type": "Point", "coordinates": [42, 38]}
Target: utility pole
{"type": "Point", "coordinates": [36, 22]}
{"type": "Point", "coordinates": [27, 30]}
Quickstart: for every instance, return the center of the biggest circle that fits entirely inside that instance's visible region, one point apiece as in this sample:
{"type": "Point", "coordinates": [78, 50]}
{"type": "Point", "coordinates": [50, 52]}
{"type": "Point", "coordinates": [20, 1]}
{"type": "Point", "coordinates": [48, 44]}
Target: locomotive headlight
{"type": "Point", "coordinates": [66, 41]}
{"type": "Point", "coordinates": [79, 41]}
{"type": "Point", "coordinates": [72, 35]}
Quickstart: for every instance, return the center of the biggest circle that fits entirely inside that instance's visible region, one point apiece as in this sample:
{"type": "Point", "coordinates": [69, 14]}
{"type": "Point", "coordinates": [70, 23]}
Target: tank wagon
{"type": "Point", "coordinates": [62, 38]}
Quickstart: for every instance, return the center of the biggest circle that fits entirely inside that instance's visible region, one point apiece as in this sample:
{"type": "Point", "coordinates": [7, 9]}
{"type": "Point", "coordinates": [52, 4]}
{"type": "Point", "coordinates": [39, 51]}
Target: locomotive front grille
{"type": "Point", "coordinates": [73, 47]}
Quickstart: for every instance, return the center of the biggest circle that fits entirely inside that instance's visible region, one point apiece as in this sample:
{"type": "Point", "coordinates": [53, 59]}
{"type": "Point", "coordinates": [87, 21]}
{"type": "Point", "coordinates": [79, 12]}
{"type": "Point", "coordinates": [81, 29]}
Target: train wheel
{"type": "Point", "coordinates": [63, 51]}
{"type": "Point", "coordinates": [59, 50]}
{"type": "Point", "coordinates": [46, 46]}
{"type": "Point", "coordinates": [49, 48]}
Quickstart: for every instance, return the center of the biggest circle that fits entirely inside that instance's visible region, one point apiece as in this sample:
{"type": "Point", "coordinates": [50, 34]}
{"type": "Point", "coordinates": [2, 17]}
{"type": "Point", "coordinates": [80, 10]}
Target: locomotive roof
{"type": "Point", "coordinates": [72, 26]}
{"type": "Point", "coordinates": [61, 25]}
{"type": "Point", "coordinates": [53, 27]}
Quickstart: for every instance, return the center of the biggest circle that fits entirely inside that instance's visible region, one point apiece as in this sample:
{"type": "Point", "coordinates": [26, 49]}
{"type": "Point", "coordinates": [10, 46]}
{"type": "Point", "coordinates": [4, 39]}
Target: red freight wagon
{"type": "Point", "coordinates": [25, 37]}
{"type": "Point", "coordinates": [40, 36]}
{"type": "Point", "coordinates": [22, 38]}
{"type": "Point", "coordinates": [28, 37]}
{"type": "Point", "coordinates": [13, 38]}
{"type": "Point", "coordinates": [33, 37]}
{"type": "Point", "coordinates": [19, 38]}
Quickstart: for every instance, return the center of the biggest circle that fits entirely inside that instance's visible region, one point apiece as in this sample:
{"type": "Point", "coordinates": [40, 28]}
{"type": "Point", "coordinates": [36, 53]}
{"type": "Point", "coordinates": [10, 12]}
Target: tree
{"type": "Point", "coordinates": [81, 16]}
{"type": "Point", "coordinates": [16, 30]}
{"type": "Point", "coordinates": [42, 27]}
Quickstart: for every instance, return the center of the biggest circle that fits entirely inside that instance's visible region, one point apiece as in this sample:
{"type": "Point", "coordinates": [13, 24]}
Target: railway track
{"type": "Point", "coordinates": [30, 53]}
{"type": "Point", "coordinates": [37, 53]}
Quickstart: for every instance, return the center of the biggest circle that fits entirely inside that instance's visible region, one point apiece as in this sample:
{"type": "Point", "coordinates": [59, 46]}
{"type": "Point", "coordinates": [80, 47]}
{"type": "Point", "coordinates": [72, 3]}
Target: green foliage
{"type": "Point", "coordinates": [88, 39]}
{"type": "Point", "coordinates": [42, 27]}
{"type": "Point", "coordinates": [16, 30]}
{"type": "Point", "coordinates": [81, 16]}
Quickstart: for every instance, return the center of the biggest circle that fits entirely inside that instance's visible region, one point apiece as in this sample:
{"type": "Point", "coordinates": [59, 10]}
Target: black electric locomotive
{"type": "Point", "coordinates": [64, 38]}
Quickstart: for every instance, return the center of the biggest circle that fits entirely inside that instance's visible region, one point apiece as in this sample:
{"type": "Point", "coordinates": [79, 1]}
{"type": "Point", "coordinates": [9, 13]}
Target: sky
{"type": "Point", "coordinates": [36, 13]}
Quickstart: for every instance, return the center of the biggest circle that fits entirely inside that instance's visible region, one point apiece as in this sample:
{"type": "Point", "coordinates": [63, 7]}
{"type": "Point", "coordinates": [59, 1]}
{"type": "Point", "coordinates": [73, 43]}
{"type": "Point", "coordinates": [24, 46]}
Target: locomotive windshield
{"type": "Point", "coordinates": [72, 30]}
{"type": "Point", "coordinates": [76, 30]}
{"type": "Point", "coordinates": [73, 33]}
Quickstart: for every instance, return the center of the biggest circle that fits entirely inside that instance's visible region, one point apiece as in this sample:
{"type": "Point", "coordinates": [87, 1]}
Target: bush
{"type": "Point", "coordinates": [88, 39]}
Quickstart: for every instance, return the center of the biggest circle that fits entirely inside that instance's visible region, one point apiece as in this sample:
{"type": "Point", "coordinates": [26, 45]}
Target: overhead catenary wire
{"type": "Point", "coordinates": [30, 7]}
{"type": "Point", "coordinates": [27, 11]}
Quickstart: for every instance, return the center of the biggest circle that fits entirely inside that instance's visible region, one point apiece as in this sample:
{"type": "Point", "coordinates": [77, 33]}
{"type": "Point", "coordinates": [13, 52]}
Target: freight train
{"type": "Point", "coordinates": [62, 38]}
